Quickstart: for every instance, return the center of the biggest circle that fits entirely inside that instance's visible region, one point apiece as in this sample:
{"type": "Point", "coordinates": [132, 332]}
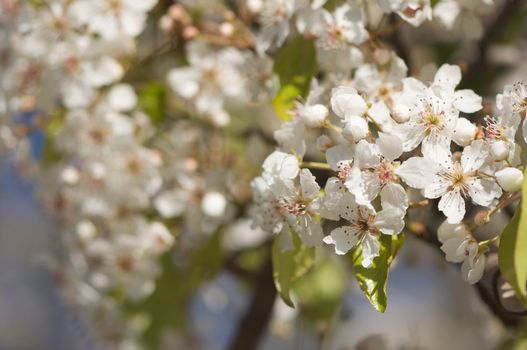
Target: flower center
{"type": "Point", "coordinates": [458, 179]}
{"type": "Point", "coordinates": [384, 172]}
{"type": "Point", "coordinates": [432, 122]}
{"type": "Point", "coordinates": [364, 224]}
{"type": "Point", "coordinates": [344, 168]}
{"type": "Point", "coordinates": [493, 130]}
{"type": "Point", "coordinates": [519, 96]}
{"type": "Point", "coordinates": [296, 208]}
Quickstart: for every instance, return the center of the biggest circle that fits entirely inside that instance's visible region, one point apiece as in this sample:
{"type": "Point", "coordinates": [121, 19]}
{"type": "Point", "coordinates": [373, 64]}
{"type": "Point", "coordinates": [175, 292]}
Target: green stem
{"type": "Point", "coordinates": [315, 165]}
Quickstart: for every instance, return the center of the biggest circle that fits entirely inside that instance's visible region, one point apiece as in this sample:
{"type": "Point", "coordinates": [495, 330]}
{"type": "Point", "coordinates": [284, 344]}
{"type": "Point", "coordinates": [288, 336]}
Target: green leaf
{"type": "Point", "coordinates": [152, 100]}
{"type": "Point", "coordinates": [374, 279]}
{"type": "Point", "coordinates": [50, 155]}
{"type": "Point", "coordinates": [513, 250]}
{"type": "Point", "coordinates": [322, 288]}
{"type": "Point", "coordinates": [295, 64]}
{"type": "Point", "coordinates": [289, 266]}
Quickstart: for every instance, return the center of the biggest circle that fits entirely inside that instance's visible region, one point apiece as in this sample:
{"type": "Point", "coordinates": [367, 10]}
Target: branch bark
{"type": "Point", "coordinates": [254, 323]}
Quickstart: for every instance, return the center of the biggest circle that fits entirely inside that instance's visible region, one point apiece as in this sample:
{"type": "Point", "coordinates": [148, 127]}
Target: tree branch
{"type": "Point", "coordinates": [254, 323]}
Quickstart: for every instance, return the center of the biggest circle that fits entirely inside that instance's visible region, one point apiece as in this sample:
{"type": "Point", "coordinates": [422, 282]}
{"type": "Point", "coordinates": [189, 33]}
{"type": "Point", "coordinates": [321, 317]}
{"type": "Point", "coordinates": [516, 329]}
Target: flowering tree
{"type": "Point", "coordinates": [146, 125]}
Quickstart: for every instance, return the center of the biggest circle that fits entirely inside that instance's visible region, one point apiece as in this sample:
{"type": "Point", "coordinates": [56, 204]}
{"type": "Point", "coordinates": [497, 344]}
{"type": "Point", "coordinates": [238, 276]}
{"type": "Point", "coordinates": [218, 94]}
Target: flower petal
{"type": "Point", "coordinates": [467, 101]}
{"type": "Point", "coordinates": [452, 205]}
{"type": "Point", "coordinates": [344, 238]}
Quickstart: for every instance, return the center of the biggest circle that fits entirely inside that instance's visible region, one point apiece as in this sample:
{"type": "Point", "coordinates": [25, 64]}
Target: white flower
{"type": "Point", "coordinates": [515, 99]}
{"type": "Point", "coordinates": [310, 18]}
{"type": "Point", "coordinates": [274, 16]}
{"type": "Point", "coordinates": [112, 18]}
{"type": "Point", "coordinates": [456, 180]}
{"type": "Point", "coordinates": [434, 110]}
{"type": "Point", "coordinates": [283, 206]}
{"type": "Point", "coordinates": [212, 78]}
{"type": "Point", "coordinates": [345, 26]}
{"type": "Point", "coordinates": [374, 172]}
{"type": "Point", "coordinates": [364, 227]}
{"type": "Point", "coordinates": [500, 131]}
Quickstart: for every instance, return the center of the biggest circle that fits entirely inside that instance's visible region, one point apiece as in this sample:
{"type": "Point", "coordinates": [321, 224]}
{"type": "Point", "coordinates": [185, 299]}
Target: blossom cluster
{"type": "Point", "coordinates": [392, 137]}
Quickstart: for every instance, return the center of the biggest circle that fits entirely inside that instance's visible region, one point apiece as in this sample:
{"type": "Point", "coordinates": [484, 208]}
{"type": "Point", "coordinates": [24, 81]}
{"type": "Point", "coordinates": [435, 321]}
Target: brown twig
{"type": "Point", "coordinates": [254, 323]}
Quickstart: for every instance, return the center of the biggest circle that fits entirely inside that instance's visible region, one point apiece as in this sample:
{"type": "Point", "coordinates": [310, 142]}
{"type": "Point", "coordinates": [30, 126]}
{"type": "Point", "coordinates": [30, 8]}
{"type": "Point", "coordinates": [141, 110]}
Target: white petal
{"type": "Point", "coordinates": [483, 191]}
{"type": "Point", "coordinates": [370, 249]}
{"type": "Point", "coordinates": [393, 195]}
{"type": "Point", "coordinates": [467, 101]}
{"type": "Point", "coordinates": [391, 146]}
{"type": "Point", "coordinates": [338, 153]}
{"type": "Point", "coordinates": [310, 188]}
{"type": "Point", "coordinates": [283, 164]}
{"type": "Point", "coordinates": [448, 77]}
{"type": "Point", "coordinates": [380, 113]}
{"type": "Point", "coordinates": [413, 86]}
{"type": "Point", "coordinates": [452, 205]}
{"type": "Point", "coordinates": [353, 105]}
{"type": "Point", "coordinates": [417, 172]}
{"type": "Point", "coordinates": [348, 208]}
{"type": "Point", "coordinates": [474, 156]}
{"type": "Point", "coordinates": [436, 145]}
{"type": "Point", "coordinates": [344, 238]}
{"type": "Point", "coordinates": [410, 133]}
{"type": "Point", "coordinates": [390, 221]}
{"type": "Point", "coordinates": [366, 154]}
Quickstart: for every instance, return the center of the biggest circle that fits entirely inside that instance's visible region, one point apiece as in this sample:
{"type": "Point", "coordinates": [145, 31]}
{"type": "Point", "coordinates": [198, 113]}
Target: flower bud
{"type": "Point", "coordinates": [355, 129]}
{"type": "Point", "coordinates": [226, 29]}
{"type": "Point", "coordinates": [324, 142]}
{"type": "Point", "coordinates": [464, 133]}
{"type": "Point", "coordinates": [166, 24]}
{"type": "Point", "coordinates": [510, 179]}
{"type": "Point", "coordinates": [214, 204]}
{"type": "Point", "coordinates": [314, 116]}
{"type": "Point", "coordinates": [481, 218]}
{"type": "Point", "coordinates": [401, 113]}
{"type": "Point", "coordinates": [499, 150]}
